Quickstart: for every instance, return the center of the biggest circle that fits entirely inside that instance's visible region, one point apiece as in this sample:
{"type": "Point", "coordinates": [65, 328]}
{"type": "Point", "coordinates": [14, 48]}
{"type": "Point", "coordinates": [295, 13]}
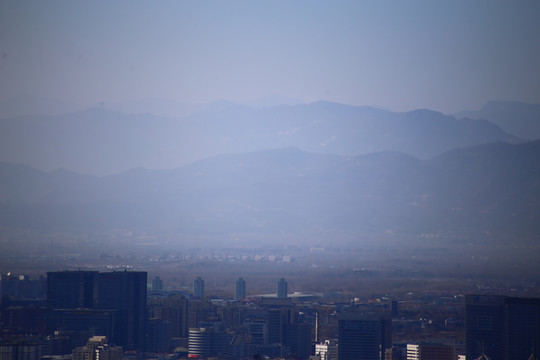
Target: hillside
{"type": "Point", "coordinates": [516, 118]}
{"type": "Point", "coordinates": [103, 142]}
{"type": "Point", "coordinates": [489, 190]}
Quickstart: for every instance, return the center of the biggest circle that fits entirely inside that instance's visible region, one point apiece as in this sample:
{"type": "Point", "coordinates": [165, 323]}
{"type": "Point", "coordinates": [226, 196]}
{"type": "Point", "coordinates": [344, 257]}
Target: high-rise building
{"type": "Point", "coordinates": [231, 314]}
{"type": "Point", "coordinates": [158, 336]}
{"type": "Point", "coordinates": [210, 340]}
{"type": "Point", "coordinates": [364, 337]}
{"type": "Point", "coordinates": [69, 290]}
{"type": "Point", "coordinates": [430, 351]}
{"type": "Point", "coordinates": [198, 311]}
{"type": "Point", "coordinates": [157, 284]}
{"type": "Point", "coordinates": [198, 288]}
{"type": "Point", "coordinates": [112, 303]}
{"type": "Point", "coordinates": [282, 289]}
{"type": "Point", "coordinates": [26, 319]}
{"type": "Point", "coordinates": [484, 322]}
{"type": "Point", "coordinates": [86, 322]}
{"type": "Point", "coordinates": [72, 289]}
{"type": "Point", "coordinates": [501, 327]}
{"type": "Point", "coordinates": [277, 320]}
{"type": "Point", "coordinates": [522, 327]}
{"type": "Point", "coordinates": [327, 350]}
{"type": "Point", "coordinates": [258, 332]}
{"type": "Point", "coordinates": [125, 292]}
{"type": "Point", "coordinates": [240, 289]}
{"type": "Point", "coordinates": [21, 287]}
{"type": "Point", "coordinates": [298, 339]}
{"type": "Point", "coordinates": [175, 310]}
{"type": "Point", "coordinates": [413, 352]}
{"type": "Point", "coordinates": [27, 348]}
{"type": "Point", "coordinates": [200, 342]}
{"type": "Point", "coordinates": [97, 349]}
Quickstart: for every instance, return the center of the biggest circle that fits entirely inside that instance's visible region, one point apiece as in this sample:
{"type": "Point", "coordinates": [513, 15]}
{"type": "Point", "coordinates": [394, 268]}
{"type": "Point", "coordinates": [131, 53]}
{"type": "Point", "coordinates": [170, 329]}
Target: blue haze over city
{"type": "Point", "coordinates": [366, 154]}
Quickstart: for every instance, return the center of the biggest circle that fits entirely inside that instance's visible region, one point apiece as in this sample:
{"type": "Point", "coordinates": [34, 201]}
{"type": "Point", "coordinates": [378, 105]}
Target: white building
{"type": "Point", "coordinates": [413, 352]}
{"type": "Point", "coordinates": [328, 350]}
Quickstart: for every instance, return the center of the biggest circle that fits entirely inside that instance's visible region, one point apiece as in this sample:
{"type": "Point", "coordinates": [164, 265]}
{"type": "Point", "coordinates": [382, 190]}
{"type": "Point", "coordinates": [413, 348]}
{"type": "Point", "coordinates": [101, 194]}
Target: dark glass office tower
{"type": "Point", "coordinates": [364, 337]}
{"type": "Point", "coordinates": [523, 332]}
{"type": "Point", "coordinates": [72, 289]}
{"type": "Point", "coordinates": [484, 320]}
{"type": "Point", "coordinates": [504, 328]}
{"type": "Point", "coordinates": [277, 319]}
{"type": "Point", "coordinates": [298, 338]}
{"type": "Point", "coordinates": [125, 292]}
{"type": "Point", "coordinates": [69, 291]}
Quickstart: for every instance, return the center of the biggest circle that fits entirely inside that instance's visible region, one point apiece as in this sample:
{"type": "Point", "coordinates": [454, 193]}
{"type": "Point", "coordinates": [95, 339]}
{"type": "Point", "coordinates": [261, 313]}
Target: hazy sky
{"type": "Point", "coordinates": [401, 55]}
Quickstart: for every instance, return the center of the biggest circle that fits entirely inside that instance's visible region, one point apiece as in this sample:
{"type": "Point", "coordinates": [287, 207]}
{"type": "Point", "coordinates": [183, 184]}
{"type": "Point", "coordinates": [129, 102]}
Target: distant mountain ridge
{"type": "Point", "coordinates": [517, 118]}
{"type": "Point", "coordinates": [488, 190]}
{"type": "Point", "coordinates": [99, 141]}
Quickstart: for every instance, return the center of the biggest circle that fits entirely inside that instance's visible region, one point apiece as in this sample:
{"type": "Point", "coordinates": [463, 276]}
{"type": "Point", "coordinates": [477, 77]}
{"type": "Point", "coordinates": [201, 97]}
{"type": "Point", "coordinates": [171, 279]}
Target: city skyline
{"type": "Point", "coordinates": [114, 309]}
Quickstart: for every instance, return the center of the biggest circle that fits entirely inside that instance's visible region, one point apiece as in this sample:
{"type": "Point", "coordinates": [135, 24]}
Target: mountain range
{"type": "Point", "coordinates": [519, 119]}
{"type": "Point", "coordinates": [102, 142]}
{"type": "Point", "coordinates": [271, 168]}
{"type": "Point", "coordinates": [488, 190]}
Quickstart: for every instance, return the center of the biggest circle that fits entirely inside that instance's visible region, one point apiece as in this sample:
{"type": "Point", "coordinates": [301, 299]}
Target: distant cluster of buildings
{"type": "Point", "coordinates": [90, 315]}
{"type": "Point", "coordinates": [227, 257]}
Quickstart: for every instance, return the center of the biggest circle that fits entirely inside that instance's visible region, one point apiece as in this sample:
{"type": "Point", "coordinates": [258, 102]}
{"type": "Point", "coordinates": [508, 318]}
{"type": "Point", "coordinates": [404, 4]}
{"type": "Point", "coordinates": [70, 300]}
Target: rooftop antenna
{"type": "Point", "coordinates": [483, 356]}
{"type": "Point", "coordinates": [317, 327]}
{"type": "Point", "coordinates": [532, 357]}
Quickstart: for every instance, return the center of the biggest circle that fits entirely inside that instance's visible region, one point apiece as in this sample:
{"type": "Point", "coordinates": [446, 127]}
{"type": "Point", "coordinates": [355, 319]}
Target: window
{"type": "Point", "coordinates": [484, 322]}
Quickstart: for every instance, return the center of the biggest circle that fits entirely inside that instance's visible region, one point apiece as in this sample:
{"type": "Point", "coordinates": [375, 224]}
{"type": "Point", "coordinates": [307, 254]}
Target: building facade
{"type": "Point", "coordinates": [240, 289]}
{"type": "Point", "coordinates": [501, 327]}
{"type": "Point", "coordinates": [198, 288]}
{"type": "Point", "coordinates": [364, 336]}
{"type": "Point", "coordinates": [328, 350]}
{"type": "Point", "coordinates": [125, 292]}
{"type": "Point", "coordinates": [282, 289]}
{"type": "Point", "coordinates": [93, 303]}
{"type": "Point", "coordinates": [430, 351]}
{"type": "Point", "coordinates": [97, 348]}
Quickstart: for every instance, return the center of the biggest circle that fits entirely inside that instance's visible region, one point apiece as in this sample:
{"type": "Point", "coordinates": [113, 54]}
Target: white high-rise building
{"type": "Point", "coordinates": [413, 352]}
{"type": "Point", "coordinates": [327, 350]}
{"type": "Point", "coordinates": [431, 351]}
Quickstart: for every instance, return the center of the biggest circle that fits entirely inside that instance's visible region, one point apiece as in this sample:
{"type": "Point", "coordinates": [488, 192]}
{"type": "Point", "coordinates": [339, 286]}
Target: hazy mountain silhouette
{"type": "Point", "coordinates": [99, 141]}
{"type": "Point", "coordinates": [488, 190]}
{"type": "Point", "coordinates": [516, 118]}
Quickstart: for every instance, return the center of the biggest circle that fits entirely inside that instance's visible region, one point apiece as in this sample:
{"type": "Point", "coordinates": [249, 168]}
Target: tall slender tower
{"type": "Point", "coordinates": [240, 290]}
{"type": "Point", "coordinates": [198, 288]}
{"type": "Point", "coordinates": [282, 289]}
